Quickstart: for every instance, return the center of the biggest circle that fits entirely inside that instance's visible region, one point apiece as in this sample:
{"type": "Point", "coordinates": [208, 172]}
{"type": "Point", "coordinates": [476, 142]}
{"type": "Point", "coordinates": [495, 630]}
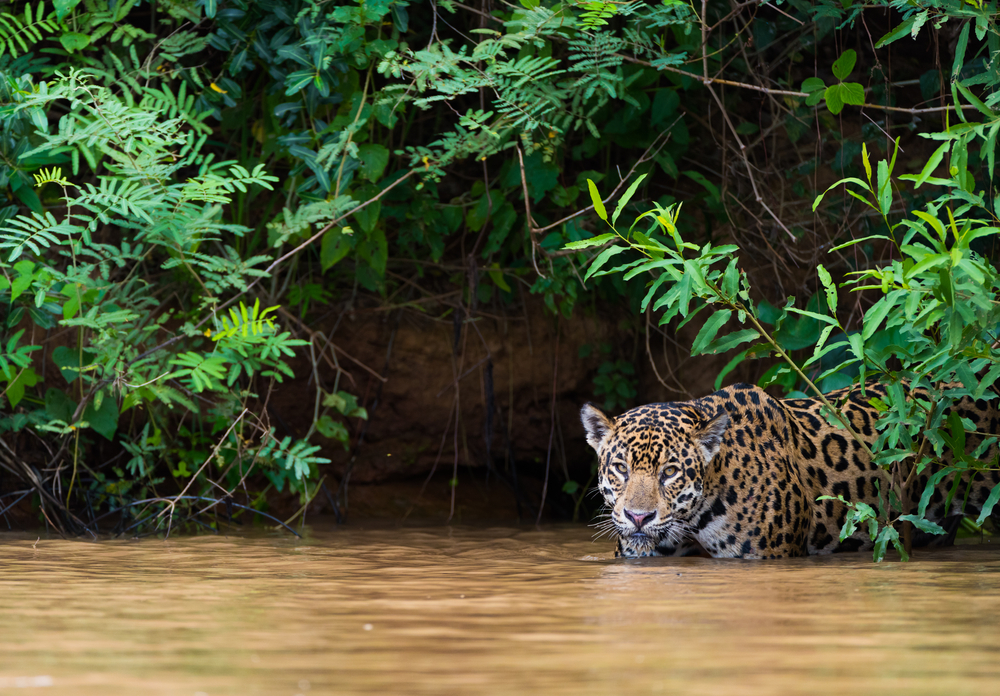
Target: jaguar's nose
{"type": "Point", "coordinates": [638, 518]}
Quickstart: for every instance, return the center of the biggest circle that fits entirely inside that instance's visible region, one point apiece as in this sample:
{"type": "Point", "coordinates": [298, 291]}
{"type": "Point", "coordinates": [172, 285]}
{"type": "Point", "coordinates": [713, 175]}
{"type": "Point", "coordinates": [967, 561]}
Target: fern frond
{"type": "Point", "coordinates": [306, 217]}
{"type": "Point", "coordinates": [180, 105]}
{"type": "Point", "coordinates": [529, 69]}
{"type": "Point", "coordinates": [248, 321]}
{"type": "Point", "coordinates": [126, 198]}
{"type": "Point", "coordinates": [182, 43]}
{"type": "Point", "coordinates": [228, 270]}
{"type": "Point", "coordinates": [50, 176]}
{"type": "Point", "coordinates": [541, 23]}
{"type": "Point", "coordinates": [295, 457]}
{"type": "Point", "coordinates": [97, 319]}
{"type": "Point", "coordinates": [34, 232]}
{"type": "Point", "coordinates": [212, 188]}
{"type": "Point", "coordinates": [19, 35]}
{"type": "Point", "coordinates": [597, 14]}
{"type": "Point", "coordinates": [199, 372]}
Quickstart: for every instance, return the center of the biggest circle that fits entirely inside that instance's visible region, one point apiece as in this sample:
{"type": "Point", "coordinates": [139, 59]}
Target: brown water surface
{"type": "Point", "coordinates": [485, 611]}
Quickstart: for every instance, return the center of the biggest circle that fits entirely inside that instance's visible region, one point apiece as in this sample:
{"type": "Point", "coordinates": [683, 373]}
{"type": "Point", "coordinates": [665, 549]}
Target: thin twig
{"type": "Point", "coordinates": [649, 353]}
{"type": "Point", "coordinates": [787, 92]}
{"type": "Point", "coordinates": [333, 346]}
{"type": "Point", "coordinates": [552, 424]}
{"type": "Point", "coordinates": [746, 162]}
{"type": "Point", "coordinates": [172, 500]}
{"type": "Point", "coordinates": [651, 152]}
{"type": "Point", "coordinates": [465, 374]}
{"type": "Point", "coordinates": [527, 213]}
{"type": "Point", "coordinates": [208, 459]}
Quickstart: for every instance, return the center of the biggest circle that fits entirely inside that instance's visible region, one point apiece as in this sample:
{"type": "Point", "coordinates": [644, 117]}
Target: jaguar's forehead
{"type": "Point", "coordinates": [664, 419]}
{"type": "Point", "coordinates": [647, 434]}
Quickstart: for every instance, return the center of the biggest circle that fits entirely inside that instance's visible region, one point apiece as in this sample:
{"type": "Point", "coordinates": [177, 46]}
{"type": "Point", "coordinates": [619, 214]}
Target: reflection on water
{"type": "Point", "coordinates": [500, 611]}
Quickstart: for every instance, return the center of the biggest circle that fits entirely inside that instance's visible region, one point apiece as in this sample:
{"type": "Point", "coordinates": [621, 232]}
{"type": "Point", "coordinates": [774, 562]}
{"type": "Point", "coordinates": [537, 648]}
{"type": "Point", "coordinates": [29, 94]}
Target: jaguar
{"type": "Point", "coordinates": [739, 473]}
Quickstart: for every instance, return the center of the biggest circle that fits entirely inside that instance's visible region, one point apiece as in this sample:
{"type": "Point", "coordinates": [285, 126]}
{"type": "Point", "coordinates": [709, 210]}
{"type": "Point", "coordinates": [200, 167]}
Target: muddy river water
{"type": "Point", "coordinates": [485, 611]}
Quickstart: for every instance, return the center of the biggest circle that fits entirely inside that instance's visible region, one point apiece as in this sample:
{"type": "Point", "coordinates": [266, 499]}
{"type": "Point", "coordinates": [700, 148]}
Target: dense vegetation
{"type": "Point", "coordinates": [190, 181]}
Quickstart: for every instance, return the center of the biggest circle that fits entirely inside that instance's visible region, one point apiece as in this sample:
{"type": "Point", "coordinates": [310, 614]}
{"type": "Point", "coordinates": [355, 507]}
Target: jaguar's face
{"type": "Point", "coordinates": [652, 467]}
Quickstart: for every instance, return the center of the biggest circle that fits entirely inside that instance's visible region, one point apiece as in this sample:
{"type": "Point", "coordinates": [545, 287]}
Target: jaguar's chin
{"type": "Point", "coordinates": [638, 544]}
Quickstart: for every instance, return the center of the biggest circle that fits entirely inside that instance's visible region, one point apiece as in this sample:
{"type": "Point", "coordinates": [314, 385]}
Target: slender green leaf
{"type": "Point", "coordinates": [932, 164]}
{"type": "Point", "coordinates": [623, 201]}
{"type": "Point", "coordinates": [829, 287]}
{"type": "Point", "coordinates": [875, 316]}
{"type": "Point", "coordinates": [931, 261]}
{"type": "Point", "coordinates": [819, 353]}
{"type": "Point", "coordinates": [857, 345]}
{"type": "Point", "coordinates": [602, 259]}
{"type": "Point", "coordinates": [884, 187]}
{"type": "Point", "coordinates": [653, 289]}
{"type": "Point", "coordinates": [959, 111]}
{"type": "Point", "coordinates": [595, 198]}
{"type": "Point", "coordinates": [886, 535]}
{"type": "Point", "coordinates": [730, 366]}
{"type": "Point", "coordinates": [858, 241]}
{"type": "Point", "coordinates": [697, 276]}
{"type": "Point", "coordinates": [899, 32]}
{"type": "Point", "coordinates": [709, 330]}
{"type": "Point", "coordinates": [847, 180]}
{"type": "Point", "coordinates": [932, 482]}
{"type": "Point", "coordinates": [989, 147]}
{"type": "Point", "coordinates": [963, 42]}
{"type": "Point", "coordinates": [822, 317]}
{"type": "Point", "coordinates": [987, 381]}
{"type": "Point", "coordinates": [933, 222]}
{"type": "Point", "coordinates": [593, 241]}
{"type": "Point", "coordinates": [975, 101]}
{"type": "Point", "coordinates": [684, 294]}
{"type": "Point", "coordinates": [988, 506]}
{"type": "Point", "coordinates": [730, 341]}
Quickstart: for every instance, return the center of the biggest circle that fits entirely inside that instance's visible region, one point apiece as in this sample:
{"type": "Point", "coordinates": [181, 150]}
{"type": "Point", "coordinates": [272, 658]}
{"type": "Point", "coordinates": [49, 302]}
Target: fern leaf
{"type": "Point", "coordinates": [35, 232]}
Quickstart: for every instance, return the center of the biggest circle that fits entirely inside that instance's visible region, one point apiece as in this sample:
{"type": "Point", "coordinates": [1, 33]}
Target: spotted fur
{"type": "Point", "coordinates": [739, 473]}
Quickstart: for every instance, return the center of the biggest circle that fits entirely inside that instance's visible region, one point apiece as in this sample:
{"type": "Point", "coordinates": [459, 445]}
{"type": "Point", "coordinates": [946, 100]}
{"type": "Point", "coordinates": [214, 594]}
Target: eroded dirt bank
{"type": "Point", "coordinates": [522, 374]}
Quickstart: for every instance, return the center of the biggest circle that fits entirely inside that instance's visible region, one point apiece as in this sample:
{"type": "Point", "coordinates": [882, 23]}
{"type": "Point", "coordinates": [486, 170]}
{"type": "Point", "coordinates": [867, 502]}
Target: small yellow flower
{"type": "Point", "coordinates": [217, 88]}
{"type": "Point", "coordinates": [427, 164]}
{"type": "Point", "coordinates": [208, 333]}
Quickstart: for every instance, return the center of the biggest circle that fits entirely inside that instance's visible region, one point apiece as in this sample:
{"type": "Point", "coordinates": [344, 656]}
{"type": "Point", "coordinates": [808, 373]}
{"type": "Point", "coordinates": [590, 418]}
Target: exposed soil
{"type": "Point", "coordinates": [410, 432]}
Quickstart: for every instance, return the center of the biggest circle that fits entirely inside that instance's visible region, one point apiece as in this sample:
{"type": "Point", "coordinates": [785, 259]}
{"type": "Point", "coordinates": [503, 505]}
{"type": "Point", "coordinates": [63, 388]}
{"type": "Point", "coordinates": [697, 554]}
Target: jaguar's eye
{"type": "Point", "coordinates": [669, 472]}
{"type": "Point", "coordinates": [621, 468]}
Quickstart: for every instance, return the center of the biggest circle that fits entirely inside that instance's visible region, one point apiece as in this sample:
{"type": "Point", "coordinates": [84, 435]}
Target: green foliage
{"type": "Point", "coordinates": [838, 95]}
{"type": "Point", "coordinates": [144, 170]}
{"type": "Point", "coordinates": [174, 177]}
{"type": "Point", "coordinates": [938, 302]}
{"type": "Point", "coordinates": [18, 32]}
{"type": "Point", "coordinates": [346, 406]}
{"type": "Point", "coordinates": [615, 384]}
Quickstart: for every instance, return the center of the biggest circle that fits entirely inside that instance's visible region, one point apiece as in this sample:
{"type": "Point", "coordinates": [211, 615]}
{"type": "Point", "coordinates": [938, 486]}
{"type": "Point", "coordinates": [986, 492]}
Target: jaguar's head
{"type": "Point", "coordinates": [652, 468]}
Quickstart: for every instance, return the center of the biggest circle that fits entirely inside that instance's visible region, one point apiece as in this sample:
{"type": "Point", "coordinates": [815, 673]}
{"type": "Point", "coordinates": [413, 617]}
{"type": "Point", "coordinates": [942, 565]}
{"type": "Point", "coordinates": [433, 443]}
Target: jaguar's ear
{"type": "Point", "coordinates": [709, 435]}
{"type": "Point", "coordinates": [597, 424]}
